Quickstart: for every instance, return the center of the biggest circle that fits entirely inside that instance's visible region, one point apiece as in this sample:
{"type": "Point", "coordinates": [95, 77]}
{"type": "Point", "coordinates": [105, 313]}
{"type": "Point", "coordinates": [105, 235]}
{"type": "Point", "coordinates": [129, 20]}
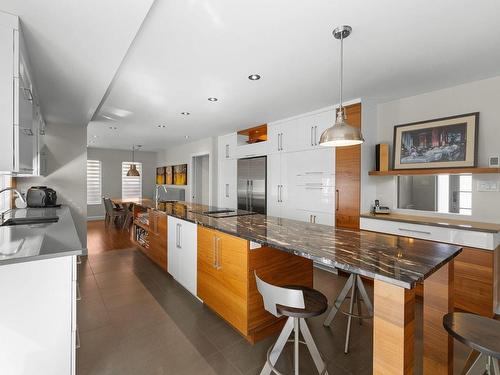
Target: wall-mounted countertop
{"type": "Point", "coordinates": [393, 259]}
{"type": "Point", "coordinates": [437, 222]}
{"type": "Point", "coordinates": [26, 243]}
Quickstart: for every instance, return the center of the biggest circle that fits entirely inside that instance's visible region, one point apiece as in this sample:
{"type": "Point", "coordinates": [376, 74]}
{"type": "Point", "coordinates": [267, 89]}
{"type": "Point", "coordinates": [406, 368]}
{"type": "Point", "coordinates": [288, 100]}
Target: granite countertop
{"type": "Point", "coordinates": [397, 260]}
{"type": "Point", "coordinates": [437, 222]}
{"type": "Point", "coordinates": [25, 243]}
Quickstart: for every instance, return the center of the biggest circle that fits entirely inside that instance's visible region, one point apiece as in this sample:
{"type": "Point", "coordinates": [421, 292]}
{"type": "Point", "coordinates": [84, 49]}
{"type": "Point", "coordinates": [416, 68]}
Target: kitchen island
{"type": "Point", "coordinates": [395, 263]}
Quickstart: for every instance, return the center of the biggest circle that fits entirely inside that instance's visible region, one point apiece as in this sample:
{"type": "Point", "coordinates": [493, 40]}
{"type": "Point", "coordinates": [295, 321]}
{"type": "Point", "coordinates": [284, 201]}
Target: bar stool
{"type": "Point", "coordinates": [355, 285]}
{"type": "Point", "coordinates": [297, 303]}
{"type": "Point", "coordinates": [478, 333]}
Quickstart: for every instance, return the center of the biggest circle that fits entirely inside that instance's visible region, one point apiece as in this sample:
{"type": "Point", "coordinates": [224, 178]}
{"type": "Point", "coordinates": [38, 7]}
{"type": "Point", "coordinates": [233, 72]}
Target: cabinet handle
{"type": "Point", "coordinates": [316, 135]}
{"type": "Point", "coordinates": [214, 251]}
{"type": "Point", "coordinates": [337, 199]}
{"type": "Point", "coordinates": [279, 141]}
{"type": "Point", "coordinates": [178, 242]}
{"type": "Point", "coordinates": [312, 143]}
{"type": "Point", "coordinates": [218, 265]}
{"type": "Point", "coordinates": [314, 172]}
{"type": "Point", "coordinates": [314, 219]}
{"type": "Point", "coordinates": [227, 190]}
{"type": "Point", "coordinates": [78, 294]}
{"type": "Point", "coordinates": [77, 344]}
{"type": "Point", "coordinates": [414, 231]}
{"type": "Point", "coordinates": [227, 151]}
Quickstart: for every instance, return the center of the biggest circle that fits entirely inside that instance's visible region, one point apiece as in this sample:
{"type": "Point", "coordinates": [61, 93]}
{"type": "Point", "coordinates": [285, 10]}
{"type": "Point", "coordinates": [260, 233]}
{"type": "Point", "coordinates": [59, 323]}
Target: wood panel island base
{"type": "Point", "coordinates": [226, 280]}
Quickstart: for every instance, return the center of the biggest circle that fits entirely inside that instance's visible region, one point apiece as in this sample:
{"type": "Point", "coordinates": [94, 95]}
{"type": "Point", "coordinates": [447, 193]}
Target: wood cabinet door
{"type": "Point", "coordinates": [348, 177]}
{"type": "Point", "coordinates": [207, 283]}
{"type": "Point", "coordinates": [232, 274]}
{"type": "Point", "coordinates": [474, 281]}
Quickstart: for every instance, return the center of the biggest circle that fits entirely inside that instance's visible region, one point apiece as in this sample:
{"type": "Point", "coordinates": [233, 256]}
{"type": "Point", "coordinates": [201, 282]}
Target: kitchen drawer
{"type": "Point", "coordinates": [316, 198]}
{"type": "Point", "coordinates": [481, 240]}
{"type": "Point", "coordinates": [315, 217]}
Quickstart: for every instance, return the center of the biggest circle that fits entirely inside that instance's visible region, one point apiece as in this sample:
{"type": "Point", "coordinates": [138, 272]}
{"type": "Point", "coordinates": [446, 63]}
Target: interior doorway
{"type": "Point", "coordinates": [200, 192]}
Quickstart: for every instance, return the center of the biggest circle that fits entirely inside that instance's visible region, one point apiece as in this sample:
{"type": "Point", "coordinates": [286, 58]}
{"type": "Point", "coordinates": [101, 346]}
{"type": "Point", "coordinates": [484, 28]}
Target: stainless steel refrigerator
{"type": "Point", "coordinates": [252, 184]}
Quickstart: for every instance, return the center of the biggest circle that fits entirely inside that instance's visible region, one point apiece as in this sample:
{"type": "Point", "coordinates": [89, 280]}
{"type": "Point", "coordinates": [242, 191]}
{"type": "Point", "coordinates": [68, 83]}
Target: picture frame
{"type": "Point", "coordinates": [180, 174]}
{"type": "Point", "coordinates": [447, 142]}
{"type": "Point", "coordinates": [169, 176]}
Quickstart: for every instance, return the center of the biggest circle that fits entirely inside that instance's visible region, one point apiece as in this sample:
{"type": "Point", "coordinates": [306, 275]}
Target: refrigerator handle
{"type": "Point", "coordinates": [251, 195]}
{"type": "Point", "coordinates": [246, 197]}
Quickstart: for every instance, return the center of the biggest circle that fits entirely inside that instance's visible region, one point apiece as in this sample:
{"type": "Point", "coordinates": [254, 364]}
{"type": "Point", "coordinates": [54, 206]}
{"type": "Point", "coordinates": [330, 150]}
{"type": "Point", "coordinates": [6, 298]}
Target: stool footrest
{"type": "Point", "coordinates": [273, 369]}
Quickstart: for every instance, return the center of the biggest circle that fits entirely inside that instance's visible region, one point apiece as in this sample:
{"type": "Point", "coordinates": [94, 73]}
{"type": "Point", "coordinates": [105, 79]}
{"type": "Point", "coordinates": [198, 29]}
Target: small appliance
{"type": "Point", "coordinates": [41, 196]}
{"type": "Point", "coordinates": [378, 209]}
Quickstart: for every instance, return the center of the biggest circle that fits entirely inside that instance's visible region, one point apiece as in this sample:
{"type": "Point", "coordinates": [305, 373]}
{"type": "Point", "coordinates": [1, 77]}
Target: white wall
{"type": "Point", "coordinates": [183, 154]}
{"type": "Point", "coordinates": [66, 148]}
{"type": "Point", "coordinates": [480, 96]}
{"type": "Point", "coordinates": [111, 164]}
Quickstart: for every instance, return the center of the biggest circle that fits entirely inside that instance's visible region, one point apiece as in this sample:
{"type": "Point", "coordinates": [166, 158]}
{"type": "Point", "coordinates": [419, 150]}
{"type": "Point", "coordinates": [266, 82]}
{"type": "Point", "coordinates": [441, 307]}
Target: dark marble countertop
{"type": "Point", "coordinates": [397, 260]}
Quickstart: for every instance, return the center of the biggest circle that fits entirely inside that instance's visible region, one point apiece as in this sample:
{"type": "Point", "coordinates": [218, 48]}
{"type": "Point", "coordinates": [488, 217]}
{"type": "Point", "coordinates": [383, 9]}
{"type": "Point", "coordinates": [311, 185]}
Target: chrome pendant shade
{"type": "Point", "coordinates": [133, 169]}
{"type": "Point", "coordinates": [341, 133]}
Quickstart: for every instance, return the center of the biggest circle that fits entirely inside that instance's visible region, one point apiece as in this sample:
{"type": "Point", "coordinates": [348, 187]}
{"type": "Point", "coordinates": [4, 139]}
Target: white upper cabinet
{"type": "Point", "coordinates": [227, 146]}
{"type": "Point", "coordinates": [20, 116]}
{"type": "Point", "coordinates": [282, 137]}
{"type": "Point", "coordinates": [310, 128]}
{"type": "Point", "coordinates": [227, 183]}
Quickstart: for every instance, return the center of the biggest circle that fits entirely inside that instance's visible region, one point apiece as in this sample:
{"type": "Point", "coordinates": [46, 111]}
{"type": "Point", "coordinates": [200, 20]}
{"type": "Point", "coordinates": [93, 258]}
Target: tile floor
{"type": "Point", "coordinates": [135, 319]}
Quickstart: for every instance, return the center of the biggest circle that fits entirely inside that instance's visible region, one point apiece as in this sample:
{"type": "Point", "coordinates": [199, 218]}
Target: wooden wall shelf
{"type": "Point", "coordinates": [430, 171]}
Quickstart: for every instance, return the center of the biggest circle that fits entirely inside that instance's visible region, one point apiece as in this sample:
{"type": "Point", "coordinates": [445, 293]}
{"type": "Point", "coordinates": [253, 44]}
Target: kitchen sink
{"type": "Point", "coordinates": [30, 220]}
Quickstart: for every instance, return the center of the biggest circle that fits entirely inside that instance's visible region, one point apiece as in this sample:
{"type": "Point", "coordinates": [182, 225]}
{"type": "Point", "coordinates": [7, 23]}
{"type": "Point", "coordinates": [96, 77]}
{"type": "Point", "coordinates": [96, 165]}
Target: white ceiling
{"type": "Point", "coordinates": [75, 48]}
{"type": "Point", "coordinates": [189, 50]}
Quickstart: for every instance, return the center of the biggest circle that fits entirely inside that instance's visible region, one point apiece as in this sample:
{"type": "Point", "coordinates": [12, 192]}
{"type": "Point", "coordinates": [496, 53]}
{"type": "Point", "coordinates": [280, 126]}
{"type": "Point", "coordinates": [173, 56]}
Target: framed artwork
{"type": "Point", "coordinates": [449, 142]}
{"type": "Point", "coordinates": [180, 174]}
{"type": "Point", "coordinates": [169, 176]}
{"type": "Point", "coordinates": [160, 175]}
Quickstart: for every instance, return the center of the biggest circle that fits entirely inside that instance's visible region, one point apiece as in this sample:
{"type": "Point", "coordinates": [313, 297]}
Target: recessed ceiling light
{"type": "Point", "coordinates": [254, 77]}
{"type": "Point", "coordinates": [113, 127]}
{"type": "Point", "coordinates": [186, 136]}
{"type": "Point", "coordinates": [185, 113]}
{"type": "Point", "coordinates": [162, 126]}
{"type": "Point", "coordinates": [212, 99]}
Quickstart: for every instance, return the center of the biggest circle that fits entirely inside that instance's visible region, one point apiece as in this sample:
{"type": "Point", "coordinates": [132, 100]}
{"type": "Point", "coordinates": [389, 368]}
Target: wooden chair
{"type": "Point", "coordinates": [112, 213]}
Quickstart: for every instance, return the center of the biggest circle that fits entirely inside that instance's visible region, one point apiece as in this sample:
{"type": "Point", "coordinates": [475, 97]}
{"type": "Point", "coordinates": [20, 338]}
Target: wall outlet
{"type": "Point", "coordinates": [488, 186]}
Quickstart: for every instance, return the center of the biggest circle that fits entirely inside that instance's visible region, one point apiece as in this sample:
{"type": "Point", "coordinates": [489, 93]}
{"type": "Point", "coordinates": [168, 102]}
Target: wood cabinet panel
{"type": "Point", "coordinates": [226, 281]}
{"type": "Point", "coordinates": [348, 176]}
{"type": "Point", "coordinates": [157, 238]}
{"type": "Point", "coordinates": [474, 281]}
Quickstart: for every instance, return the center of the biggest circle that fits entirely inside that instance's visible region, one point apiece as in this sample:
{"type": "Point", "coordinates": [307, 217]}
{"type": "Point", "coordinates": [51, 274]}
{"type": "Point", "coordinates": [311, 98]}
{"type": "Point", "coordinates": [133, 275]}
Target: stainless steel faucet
{"type": "Point", "coordinates": [19, 195]}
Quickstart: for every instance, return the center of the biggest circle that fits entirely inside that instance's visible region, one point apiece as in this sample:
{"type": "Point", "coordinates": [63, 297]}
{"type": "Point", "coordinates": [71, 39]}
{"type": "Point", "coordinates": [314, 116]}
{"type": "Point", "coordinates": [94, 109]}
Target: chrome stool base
{"type": "Point", "coordinates": [295, 325]}
{"type": "Point", "coordinates": [355, 285]}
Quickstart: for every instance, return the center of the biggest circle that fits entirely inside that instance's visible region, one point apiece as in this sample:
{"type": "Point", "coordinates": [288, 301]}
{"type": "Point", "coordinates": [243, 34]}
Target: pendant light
{"type": "Point", "coordinates": [133, 169]}
{"type": "Point", "coordinates": [341, 133]}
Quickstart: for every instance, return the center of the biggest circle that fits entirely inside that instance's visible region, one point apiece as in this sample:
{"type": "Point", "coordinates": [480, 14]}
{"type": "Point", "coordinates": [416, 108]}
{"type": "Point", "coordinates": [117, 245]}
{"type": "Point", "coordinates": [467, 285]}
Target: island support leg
{"type": "Point", "coordinates": [438, 301]}
{"type": "Point", "coordinates": [393, 329]}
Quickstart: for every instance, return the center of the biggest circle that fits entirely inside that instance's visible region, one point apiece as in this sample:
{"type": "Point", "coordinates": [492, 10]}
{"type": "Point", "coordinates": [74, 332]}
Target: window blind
{"type": "Point", "coordinates": [94, 182]}
{"type": "Point", "coordinates": [131, 185]}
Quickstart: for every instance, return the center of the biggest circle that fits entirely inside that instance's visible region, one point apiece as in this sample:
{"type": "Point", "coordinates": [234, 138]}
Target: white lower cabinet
{"type": "Point", "coordinates": [38, 317]}
{"type": "Point", "coordinates": [182, 252]}
{"type": "Point", "coordinates": [228, 170]}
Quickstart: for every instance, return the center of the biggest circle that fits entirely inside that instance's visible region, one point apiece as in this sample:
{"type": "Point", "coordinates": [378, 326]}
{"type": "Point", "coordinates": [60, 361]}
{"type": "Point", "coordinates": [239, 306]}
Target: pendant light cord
{"type": "Point", "coordinates": [341, 68]}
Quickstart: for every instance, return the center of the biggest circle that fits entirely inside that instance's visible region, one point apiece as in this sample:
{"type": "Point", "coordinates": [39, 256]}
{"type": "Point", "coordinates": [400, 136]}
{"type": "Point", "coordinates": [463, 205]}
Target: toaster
{"type": "Point", "coordinates": [41, 196]}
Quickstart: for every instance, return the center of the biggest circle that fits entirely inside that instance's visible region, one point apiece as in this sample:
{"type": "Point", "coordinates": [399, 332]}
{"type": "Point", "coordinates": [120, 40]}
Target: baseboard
{"type": "Point", "coordinates": [95, 218]}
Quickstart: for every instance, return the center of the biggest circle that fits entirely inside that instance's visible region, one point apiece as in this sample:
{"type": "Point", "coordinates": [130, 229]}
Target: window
{"type": "Point", "coordinates": [94, 182]}
{"type": "Point", "coordinates": [131, 185]}
{"type": "Point", "coordinates": [465, 197]}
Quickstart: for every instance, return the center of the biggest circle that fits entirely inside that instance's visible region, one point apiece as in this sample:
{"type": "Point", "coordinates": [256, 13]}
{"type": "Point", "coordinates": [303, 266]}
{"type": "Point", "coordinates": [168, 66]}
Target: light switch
{"type": "Point", "coordinates": [487, 186]}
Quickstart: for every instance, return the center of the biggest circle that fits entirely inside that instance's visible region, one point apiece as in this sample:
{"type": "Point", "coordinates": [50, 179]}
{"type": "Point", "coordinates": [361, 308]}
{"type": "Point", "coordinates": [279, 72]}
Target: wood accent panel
{"type": "Point", "coordinates": [438, 301]}
{"type": "Point", "coordinates": [393, 329]}
{"type": "Point", "coordinates": [348, 176]}
{"type": "Point", "coordinates": [278, 268]}
{"type": "Point", "coordinates": [230, 289]}
{"type": "Point", "coordinates": [474, 278]}
{"type": "Point", "coordinates": [255, 134]}
{"type": "Point", "coordinates": [409, 172]}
